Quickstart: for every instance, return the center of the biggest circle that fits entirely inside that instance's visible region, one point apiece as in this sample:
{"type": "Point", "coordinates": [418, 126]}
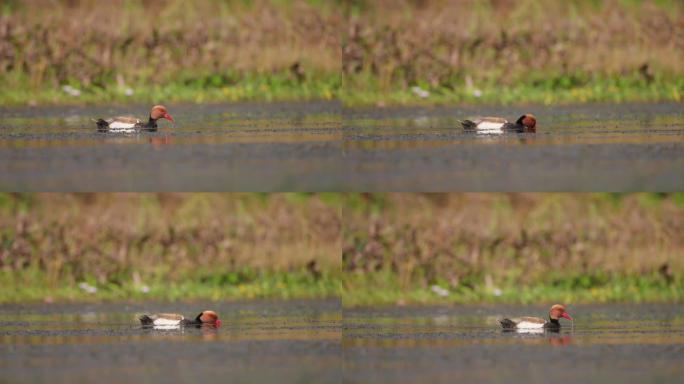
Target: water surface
{"type": "Point", "coordinates": [214, 147]}
{"type": "Point", "coordinates": [284, 342]}
{"type": "Point", "coordinates": [594, 147]}
{"type": "Point", "coordinates": [320, 147]}
{"type": "Point", "coordinates": [606, 344]}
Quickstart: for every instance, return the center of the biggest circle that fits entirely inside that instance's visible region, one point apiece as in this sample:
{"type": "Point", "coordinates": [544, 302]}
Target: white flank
{"type": "Point", "coordinates": [166, 327]}
{"type": "Point", "coordinates": [490, 126]}
{"type": "Point", "coordinates": [491, 133]}
{"type": "Point", "coordinates": [161, 322]}
{"type": "Point", "coordinates": [529, 325]}
{"type": "Point", "coordinates": [120, 126]}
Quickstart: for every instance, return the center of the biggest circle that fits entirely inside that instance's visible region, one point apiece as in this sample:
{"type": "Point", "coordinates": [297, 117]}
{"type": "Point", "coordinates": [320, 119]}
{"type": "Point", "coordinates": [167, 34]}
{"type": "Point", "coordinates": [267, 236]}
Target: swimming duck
{"type": "Point", "coordinates": [129, 123]}
{"type": "Point", "coordinates": [526, 123]}
{"type": "Point", "coordinates": [557, 311]}
{"type": "Point", "coordinates": [175, 320]}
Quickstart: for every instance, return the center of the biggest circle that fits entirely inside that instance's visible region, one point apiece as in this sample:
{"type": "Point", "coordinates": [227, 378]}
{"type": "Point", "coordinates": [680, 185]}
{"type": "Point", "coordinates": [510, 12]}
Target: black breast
{"type": "Point", "coordinates": [552, 325]}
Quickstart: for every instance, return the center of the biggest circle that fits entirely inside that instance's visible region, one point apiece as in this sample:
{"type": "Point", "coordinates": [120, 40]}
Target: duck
{"type": "Point", "coordinates": [176, 320]}
{"type": "Point", "coordinates": [528, 323]}
{"type": "Point", "coordinates": [525, 123]}
{"type": "Point", "coordinates": [129, 123]}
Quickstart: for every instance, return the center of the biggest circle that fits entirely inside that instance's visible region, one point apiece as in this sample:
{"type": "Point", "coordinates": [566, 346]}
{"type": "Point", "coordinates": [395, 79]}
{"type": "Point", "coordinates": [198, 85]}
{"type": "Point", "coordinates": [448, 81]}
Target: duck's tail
{"type": "Point", "coordinates": [101, 124]}
{"type": "Point", "coordinates": [507, 323]}
{"type": "Point", "coordinates": [468, 124]}
{"type": "Point", "coordinates": [146, 320]}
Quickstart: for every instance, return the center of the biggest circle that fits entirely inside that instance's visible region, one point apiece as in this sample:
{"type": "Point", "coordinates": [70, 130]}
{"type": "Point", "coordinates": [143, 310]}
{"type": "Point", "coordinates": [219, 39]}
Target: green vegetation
{"type": "Point", "coordinates": [440, 52]}
{"type": "Point", "coordinates": [90, 51]}
{"type": "Point", "coordinates": [527, 248]}
{"type": "Point", "coordinates": [209, 89]}
{"type": "Point", "coordinates": [29, 286]}
{"type": "Point", "coordinates": [385, 289]}
{"type": "Point", "coordinates": [552, 90]}
{"type": "Point", "coordinates": [168, 246]}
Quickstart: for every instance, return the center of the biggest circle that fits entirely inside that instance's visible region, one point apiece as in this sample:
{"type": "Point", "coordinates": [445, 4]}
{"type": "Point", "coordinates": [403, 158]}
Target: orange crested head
{"type": "Point", "coordinates": [160, 112]}
{"type": "Point", "coordinates": [557, 311]}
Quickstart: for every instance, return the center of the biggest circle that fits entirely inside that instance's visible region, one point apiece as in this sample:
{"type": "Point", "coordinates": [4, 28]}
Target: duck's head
{"type": "Point", "coordinates": [528, 121]}
{"type": "Point", "coordinates": [558, 311]}
{"type": "Point", "coordinates": [209, 317]}
{"type": "Point", "coordinates": [160, 112]}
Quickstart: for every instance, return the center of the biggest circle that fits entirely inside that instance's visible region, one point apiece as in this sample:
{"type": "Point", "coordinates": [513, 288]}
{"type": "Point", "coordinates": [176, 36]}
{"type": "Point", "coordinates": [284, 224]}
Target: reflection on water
{"type": "Point", "coordinates": [589, 147]}
{"type": "Point", "coordinates": [275, 146]}
{"type": "Point", "coordinates": [258, 341]}
{"type": "Point", "coordinates": [466, 344]}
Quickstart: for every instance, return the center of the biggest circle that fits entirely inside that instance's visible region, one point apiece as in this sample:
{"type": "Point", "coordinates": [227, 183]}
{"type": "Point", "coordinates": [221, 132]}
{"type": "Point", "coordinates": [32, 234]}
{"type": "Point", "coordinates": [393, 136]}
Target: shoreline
{"type": "Point", "coordinates": [527, 296]}
{"type": "Point", "coordinates": [272, 286]}
{"type": "Point", "coordinates": [522, 94]}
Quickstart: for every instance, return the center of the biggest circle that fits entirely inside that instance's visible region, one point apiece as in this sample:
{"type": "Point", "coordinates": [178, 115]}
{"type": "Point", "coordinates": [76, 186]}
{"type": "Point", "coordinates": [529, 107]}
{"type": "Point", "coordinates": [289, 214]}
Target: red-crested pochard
{"type": "Point", "coordinates": [129, 123]}
{"type": "Point", "coordinates": [557, 311]}
{"type": "Point", "coordinates": [175, 320]}
{"type": "Point", "coordinates": [526, 123]}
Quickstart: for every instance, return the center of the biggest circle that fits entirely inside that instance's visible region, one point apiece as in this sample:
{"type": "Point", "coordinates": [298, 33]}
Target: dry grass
{"type": "Point", "coordinates": [468, 240]}
{"type": "Point", "coordinates": [448, 43]}
{"type": "Point", "coordinates": [116, 238]}
{"type": "Point", "coordinates": [97, 43]}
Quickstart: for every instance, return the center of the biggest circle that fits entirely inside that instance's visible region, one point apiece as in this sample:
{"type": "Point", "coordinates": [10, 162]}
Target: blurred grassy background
{"type": "Point", "coordinates": [474, 248]}
{"type": "Point", "coordinates": [512, 51]}
{"type": "Point", "coordinates": [362, 51]}
{"type": "Point", "coordinates": [395, 248]}
{"type": "Point", "coordinates": [168, 50]}
{"type": "Point", "coordinates": [169, 246]}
